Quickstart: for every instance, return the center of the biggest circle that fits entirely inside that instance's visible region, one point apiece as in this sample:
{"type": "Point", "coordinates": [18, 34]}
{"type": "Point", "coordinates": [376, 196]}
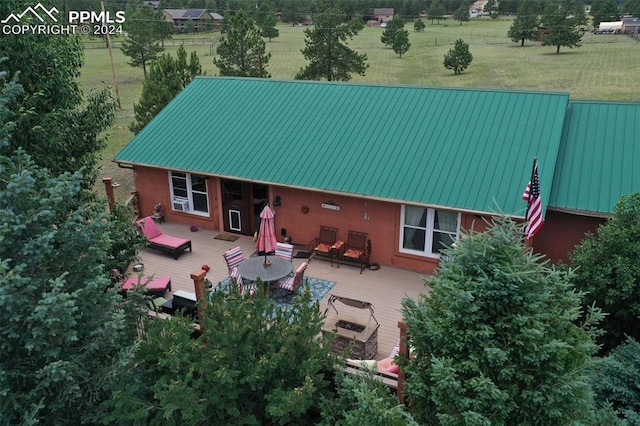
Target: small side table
{"type": "Point", "coordinates": [336, 251]}
{"type": "Point", "coordinates": [158, 217]}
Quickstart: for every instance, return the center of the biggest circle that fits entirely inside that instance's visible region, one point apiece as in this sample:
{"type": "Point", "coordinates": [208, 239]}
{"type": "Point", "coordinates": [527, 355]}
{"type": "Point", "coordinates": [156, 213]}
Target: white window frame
{"type": "Point", "coordinates": [190, 192]}
{"type": "Point", "coordinates": [429, 231]}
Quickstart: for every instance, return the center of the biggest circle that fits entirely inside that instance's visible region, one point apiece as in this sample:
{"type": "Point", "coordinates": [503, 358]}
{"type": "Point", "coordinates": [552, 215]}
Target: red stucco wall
{"type": "Point", "coordinates": [380, 219]}
{"type": "Point", "coordinates": [561, 232]}
{"type": "Point", "coordinates": [152, 187]}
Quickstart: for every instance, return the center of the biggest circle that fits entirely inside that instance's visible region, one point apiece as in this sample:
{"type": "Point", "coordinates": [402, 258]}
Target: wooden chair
{"type": "Point", "coordinates": [323, 244]}
{"type": "Point", "coordinates": [357, 250]}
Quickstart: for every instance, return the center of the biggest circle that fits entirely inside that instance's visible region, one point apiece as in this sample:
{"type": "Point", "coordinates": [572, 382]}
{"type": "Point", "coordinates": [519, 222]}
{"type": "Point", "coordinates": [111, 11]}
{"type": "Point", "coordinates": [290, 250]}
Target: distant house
{"type": "Point", "coordinates": [391, 161]}
{"type": "Point", "coordinates": [383, 14]}
{"type": "Point", "coordinates": [477, 8]}
{"type": "Point", "coordinates": [216, 20]}
{"type": "Point", "coordinates": [630, 25]}
{"type": "Point", "coordinates": [182, 18]}
{"type": "Point", "coordinates": [155, 4]}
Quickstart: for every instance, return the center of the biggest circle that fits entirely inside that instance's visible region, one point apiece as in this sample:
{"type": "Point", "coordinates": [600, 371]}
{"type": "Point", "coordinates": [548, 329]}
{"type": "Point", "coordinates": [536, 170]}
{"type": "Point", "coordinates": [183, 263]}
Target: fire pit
{"type": "Point", "coordinates": [354, 338]}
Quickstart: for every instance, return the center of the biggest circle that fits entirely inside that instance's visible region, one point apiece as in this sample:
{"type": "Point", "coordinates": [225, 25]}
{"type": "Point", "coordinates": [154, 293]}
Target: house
{"type": "Point", "coordinates": [630, 25]}
{"type": "Point", "coordinates": [392, 161]}
{"type": "Point", "coordinates": [216, 20]}
{"type": "Point", "coordinates": [477, 8]}
{"type": "Point", "coordinates": [154, 5]}
{"type": "Point", "coordinates": [383, 14]}
{"type": "Point", "coordinates": [183, 18]}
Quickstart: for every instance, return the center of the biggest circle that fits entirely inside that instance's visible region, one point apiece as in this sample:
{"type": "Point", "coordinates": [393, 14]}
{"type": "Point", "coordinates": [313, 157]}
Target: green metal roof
{"type": "Point", "coordinates": [599, 149]}
{"type": "Point", "coordinates": [468, 149]}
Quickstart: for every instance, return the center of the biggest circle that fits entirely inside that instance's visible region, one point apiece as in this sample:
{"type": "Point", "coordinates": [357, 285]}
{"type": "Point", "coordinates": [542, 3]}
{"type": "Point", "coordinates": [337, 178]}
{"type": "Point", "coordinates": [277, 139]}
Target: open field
{"type": "Point", "coordinates": [605, 68]}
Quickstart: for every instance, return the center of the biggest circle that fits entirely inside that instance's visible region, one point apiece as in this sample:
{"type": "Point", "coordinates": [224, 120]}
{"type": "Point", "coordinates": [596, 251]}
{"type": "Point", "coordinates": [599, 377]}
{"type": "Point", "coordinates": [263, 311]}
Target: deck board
{"type": "Point", "coordinates": [384, 288]}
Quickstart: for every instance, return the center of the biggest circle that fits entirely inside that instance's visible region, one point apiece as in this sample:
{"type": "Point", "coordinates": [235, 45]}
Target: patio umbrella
{"type": "Point", "coordinates": [267, 237]}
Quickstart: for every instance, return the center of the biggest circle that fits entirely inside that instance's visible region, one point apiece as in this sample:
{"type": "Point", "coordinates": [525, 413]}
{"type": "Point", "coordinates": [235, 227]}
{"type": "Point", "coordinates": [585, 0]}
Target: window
{"type": "Point", "coordinates": [425, 231]}
{"type": "Point", "coordinates": [189, 193]}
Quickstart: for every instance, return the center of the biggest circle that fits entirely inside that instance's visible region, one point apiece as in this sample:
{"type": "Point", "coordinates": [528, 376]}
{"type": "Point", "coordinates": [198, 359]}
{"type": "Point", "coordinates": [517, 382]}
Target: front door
{"type": "Point", "coordinates": [242, 203]}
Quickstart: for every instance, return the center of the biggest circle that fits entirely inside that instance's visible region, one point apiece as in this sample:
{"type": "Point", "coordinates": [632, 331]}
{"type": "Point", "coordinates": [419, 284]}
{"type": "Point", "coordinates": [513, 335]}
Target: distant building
{"type": "Point", "coordinates": [155, 4]}
{"type": "Point", "coordinates": [181, 17]}
{"type": "Point", "coordinates": [383, 14]}
{"type": "Point", "coordinates": [630, 25]}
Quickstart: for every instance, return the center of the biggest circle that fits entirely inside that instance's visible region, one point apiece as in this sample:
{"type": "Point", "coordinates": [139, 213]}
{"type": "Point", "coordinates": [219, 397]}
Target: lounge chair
{"type": "Point", "coordinates": [292, 283]}
{"type": "Point", "coordinates": [155, 286]}
{"type": "Point", "coordinates": [159, 241]}
{"type": "Point", "coordinates": [284, 251]}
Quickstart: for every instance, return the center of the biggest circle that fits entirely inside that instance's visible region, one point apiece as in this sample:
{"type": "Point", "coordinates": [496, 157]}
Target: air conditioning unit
{"type": "Point", "coordinates": [180, 204]}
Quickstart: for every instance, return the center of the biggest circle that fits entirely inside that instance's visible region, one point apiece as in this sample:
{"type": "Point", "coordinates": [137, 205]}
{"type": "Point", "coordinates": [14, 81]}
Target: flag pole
{"type": "Point", "coordinates": [533, 171]}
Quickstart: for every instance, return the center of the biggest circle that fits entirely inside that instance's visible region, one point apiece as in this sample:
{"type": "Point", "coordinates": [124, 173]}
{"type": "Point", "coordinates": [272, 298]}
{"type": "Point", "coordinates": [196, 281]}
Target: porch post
{"type": "Point", "coordinates": [198, 282]}
{"type": "Point", "coordinates": [111, 196]}
{"type": "Point", "coordinates": [404, 351]}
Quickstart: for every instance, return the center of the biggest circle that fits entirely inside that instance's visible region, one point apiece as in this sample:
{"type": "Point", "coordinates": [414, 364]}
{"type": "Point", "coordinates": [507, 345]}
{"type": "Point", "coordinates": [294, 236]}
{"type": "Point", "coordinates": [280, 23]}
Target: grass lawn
{"type": "Point", "coordinates": [604, 68]}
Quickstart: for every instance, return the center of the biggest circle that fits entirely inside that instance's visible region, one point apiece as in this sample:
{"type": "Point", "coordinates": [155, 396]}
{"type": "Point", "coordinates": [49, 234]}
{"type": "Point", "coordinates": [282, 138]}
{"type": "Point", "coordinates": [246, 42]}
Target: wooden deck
{"type": "Point", "coordinates": [383, 288]}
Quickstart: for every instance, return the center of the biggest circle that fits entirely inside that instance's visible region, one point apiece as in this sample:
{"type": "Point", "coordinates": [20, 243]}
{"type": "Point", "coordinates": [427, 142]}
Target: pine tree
{"type": "Point", "coordinates": [525, 25]}
{"type": "Point", "coordinates": [562, 21]}
{"type": "Point", "coordinates": [458, 58]}
{"type": "Point", "coordinates": [389, 33]}
{"type": "Point", "coordinates": [462, 13]}
{"type": "Point", "coordinates": [327, 50]}
{"type": "Point", "coordinates": [242, 52]}
{"type": "Point", "coordinates": [167, 77]}
{"type": "Point", "coordinates": [142, 41]}
{"type": "Point", "coordinates": [401, 42]}
{"type": "Point", "coordinates": [500, 339]}
{"type": "Point", "coordinates": [418, 26]}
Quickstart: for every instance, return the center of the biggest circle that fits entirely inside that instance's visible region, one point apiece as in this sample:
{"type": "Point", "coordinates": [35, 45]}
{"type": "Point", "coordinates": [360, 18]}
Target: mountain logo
{"type": "Point", "coordinates": [38, 11]}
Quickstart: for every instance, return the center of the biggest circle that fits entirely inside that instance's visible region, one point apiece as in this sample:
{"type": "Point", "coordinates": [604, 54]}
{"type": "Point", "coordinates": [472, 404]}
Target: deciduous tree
{"type": "Point", "coordinates": [462, 13]}
{"type": "Point", "coordinates": [167, 77]}
{"type": "Point", "coordinates": [607, 271]}
{"type": "Point", "coordinates": [241, 53]}
{"type": "Point", "coordinates": [562, 21]}
{"type": "Point", "coordinates": [525, 25]}
{"type": "Point", "coordinates": [458, 58]}
{"type": "Point", "coordinates": [326, 47]}
{"type": "Point", "coordinates": [436, 12]}
{"type": "Point", "coordinates": [609, 12]}
{"type": "Point", "coordinates": [500, 339]}
{"type": "Point", "coordinates": [64, 129]}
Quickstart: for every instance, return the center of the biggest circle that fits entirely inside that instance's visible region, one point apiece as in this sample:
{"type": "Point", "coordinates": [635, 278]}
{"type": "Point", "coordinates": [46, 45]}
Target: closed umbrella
{"type": "Point", "coordinates": [267, 237]}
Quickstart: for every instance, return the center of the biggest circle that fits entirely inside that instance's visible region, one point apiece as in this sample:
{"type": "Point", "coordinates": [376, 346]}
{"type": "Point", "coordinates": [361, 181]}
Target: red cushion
{"type": "Point", "coordinates": [356, 254]}
{"type": "Point", "coordinates": [156, 283]}
{"type": "Point", "coordinates": [324, 248]}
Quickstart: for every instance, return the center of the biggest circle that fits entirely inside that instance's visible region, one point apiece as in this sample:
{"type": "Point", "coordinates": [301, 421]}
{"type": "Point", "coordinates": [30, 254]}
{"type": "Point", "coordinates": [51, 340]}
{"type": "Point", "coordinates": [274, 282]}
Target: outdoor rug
{"type": "Point", "coordinates": [225, 237]}
{"type": "Point", "coordinates": [284, 299]}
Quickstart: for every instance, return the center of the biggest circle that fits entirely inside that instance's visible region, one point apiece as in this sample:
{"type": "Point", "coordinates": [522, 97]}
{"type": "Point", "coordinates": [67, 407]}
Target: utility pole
{"type": "Point", "coordinates": [113, 68]}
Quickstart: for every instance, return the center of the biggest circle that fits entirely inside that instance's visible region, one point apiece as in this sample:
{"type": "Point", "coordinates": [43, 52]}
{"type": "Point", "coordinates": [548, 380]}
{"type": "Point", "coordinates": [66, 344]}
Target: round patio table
{"type": "Point", "coordinates": [254, 268]}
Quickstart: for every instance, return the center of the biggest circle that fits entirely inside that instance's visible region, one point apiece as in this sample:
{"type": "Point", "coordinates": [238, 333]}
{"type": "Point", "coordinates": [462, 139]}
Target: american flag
{"type": "Point", "coordinates": [534, 209]}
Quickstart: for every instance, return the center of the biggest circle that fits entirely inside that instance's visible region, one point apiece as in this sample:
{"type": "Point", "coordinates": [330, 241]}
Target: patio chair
{"type": "Point", "coordinates": [244, 288]}
{"type": "Point", "coordinates": [324, 243]}
{"type": "Point", "coordinates": [233, 257]}
{"type": "Point", "coordinates": [292, 283]}
{"type": "Point", "coordinates": [357, 250]}
{"type": "Point", "coordinates": [159, 241]}
{"type": "Point", "coordinates": [284, 251]}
